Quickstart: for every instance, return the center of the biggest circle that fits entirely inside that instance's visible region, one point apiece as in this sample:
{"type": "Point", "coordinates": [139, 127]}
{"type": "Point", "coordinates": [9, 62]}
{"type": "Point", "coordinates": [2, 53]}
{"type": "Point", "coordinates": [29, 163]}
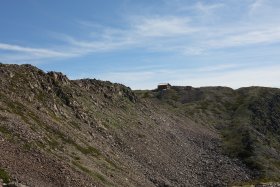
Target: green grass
{"type": "Point", "coordinates": [4, 130]}
{"type": "Point", "coordinates": [9, 135]}
{"type": "Point", "coordinates": [76, 157]}
{"type": "Point", "coordinates": [112, 164]}
{"type": "Point", "coordinates": [15, 107]}
{"type": "Point", "coordinates": [3, 118]}
{"type": "Point", "coordinates": [93, 174]}
{"type": "Point", "coordinates": [4, 176]}
{"type": "Point", "coordinates": [53, 144]}
{"type": "Point", "coordinates": [248, 120]}
{"type": "Point", "coordinates": [87, 150]}
{"type": "Point", "coordinates": [75, 125]}
{"type": "Point", "coordinates": [28, 146]}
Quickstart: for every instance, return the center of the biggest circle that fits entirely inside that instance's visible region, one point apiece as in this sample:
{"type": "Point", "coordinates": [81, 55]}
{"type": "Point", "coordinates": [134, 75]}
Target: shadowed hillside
{"type": "Point", "coordinates": [248, 120]}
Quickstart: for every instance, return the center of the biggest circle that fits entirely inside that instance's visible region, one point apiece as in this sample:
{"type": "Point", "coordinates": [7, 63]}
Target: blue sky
{"type": "Point", "coordinates": [233, 43]}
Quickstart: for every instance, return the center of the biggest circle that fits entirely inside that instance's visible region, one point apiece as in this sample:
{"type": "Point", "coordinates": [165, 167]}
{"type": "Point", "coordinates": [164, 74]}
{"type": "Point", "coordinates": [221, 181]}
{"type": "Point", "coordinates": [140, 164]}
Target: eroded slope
{"type": "Point", "coordinates": [58, 132]}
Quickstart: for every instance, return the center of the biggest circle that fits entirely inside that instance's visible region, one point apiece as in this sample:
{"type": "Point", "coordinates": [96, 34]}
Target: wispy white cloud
{"type": "Point", "coordinates": [147, 32]}
{"type": "Point", "coordinates": [163, 27]}
{"type": "Point", "coordinates": [201, 7]}
{"type": "Point", "coordinates": [268, 35]}
{"type": "Point", "coordinates": [256, 4]}
{"type": "Point", "coordinates": [22, 54]}
{"type": "Point", "coordinates": [34, 51]}
{"type": "Point", "coordinates": [217, 68]}
{"type": "Point", "coordinates": [178, 34]}
{"type": "Point", "coordinates": [238, 78]}
{"type": "Point", "coordinates": [207, 8]}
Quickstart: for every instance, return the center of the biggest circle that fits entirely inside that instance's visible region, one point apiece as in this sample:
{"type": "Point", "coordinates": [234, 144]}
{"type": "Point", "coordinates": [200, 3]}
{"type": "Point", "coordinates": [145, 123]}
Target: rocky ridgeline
{"type": "Point", "coordinates": [36, 79]}
{"type": "Point", "coordinates": [60, 132]}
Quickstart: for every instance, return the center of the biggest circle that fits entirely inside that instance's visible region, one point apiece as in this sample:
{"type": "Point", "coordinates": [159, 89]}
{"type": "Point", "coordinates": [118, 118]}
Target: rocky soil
{"type": "Point", "coordinates": [60, 132]}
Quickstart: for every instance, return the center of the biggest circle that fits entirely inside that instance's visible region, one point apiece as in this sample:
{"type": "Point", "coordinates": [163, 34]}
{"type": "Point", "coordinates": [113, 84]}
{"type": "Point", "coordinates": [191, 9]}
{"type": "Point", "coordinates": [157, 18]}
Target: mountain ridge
{"type": "Point", "coordinates": [97, 133]}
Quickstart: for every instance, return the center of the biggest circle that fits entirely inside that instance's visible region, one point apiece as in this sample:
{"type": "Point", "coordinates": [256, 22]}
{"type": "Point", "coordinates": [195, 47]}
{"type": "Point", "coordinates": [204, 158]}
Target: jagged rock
{"type": "Point", "coordinates": [59, 77]}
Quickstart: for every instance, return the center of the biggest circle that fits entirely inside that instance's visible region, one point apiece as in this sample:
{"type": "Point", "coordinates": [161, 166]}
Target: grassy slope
{"type": "Point", "coordinates": [99, 133]}
{"type": "Point", "coordinates": [248, 120]}
{"type": "Point", "coordinates": [63, 122]}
